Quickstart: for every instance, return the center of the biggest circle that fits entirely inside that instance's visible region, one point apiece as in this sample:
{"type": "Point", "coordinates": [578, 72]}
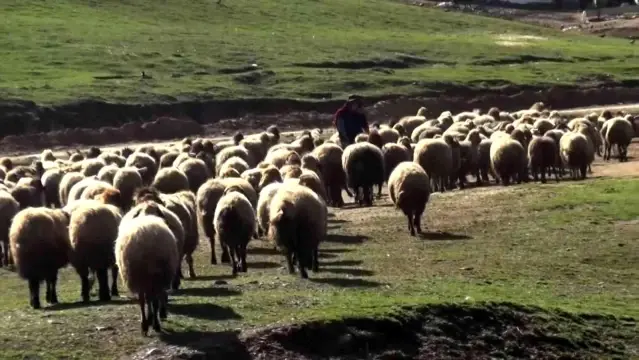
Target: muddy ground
{"type": "Point", "coordinates": [487, 331]}
{"type": "Point", "coordinates": [215, 118]}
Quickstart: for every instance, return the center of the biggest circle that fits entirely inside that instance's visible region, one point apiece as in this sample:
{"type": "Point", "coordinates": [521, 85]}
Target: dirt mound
{"type": "Point", "coordinates": [434, 332]}
{"type": "Point", "coordinates": [163, 128]}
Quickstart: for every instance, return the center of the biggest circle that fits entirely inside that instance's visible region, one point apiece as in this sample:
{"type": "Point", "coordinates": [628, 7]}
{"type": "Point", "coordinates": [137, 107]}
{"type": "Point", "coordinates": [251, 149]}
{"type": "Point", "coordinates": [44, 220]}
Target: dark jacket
{"type": "Point", "coordinates": [349, 124]}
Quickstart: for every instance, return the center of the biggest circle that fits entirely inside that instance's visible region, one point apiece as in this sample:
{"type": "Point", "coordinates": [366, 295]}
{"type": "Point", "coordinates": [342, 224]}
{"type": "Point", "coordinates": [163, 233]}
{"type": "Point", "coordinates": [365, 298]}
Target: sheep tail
{"type": "Point", "coordinates": [402, 197]}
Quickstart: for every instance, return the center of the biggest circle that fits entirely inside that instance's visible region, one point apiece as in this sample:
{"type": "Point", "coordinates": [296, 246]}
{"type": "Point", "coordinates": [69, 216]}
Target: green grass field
{"type": "Point", "coordinates": [60, 51]}
{"type": "Point", "coordinates": [571, 246]}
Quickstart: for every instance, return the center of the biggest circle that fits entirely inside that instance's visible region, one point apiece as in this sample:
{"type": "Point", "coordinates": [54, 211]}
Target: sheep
{"type": "Point", "coordinates": [362, 137]}
{"type": "Point", "coordinates": [18, 172]}
{"type": "Point", "coordinates": [182, 157]}
{"type": "Point", "coordinates": [170, 180]}
{"type": "Point", "coordinates": [291, 171]}
{"type": "Point", "coordinates": [253, 176]}
{"type": "Point", "coordinates": [235, 163]}
{"type": "Point", "coordinates": [104, 191]}
{"type": "Point", "coordinates": [364, 167]}
{"type": "Point", "coordinates": [409, 190]}
{"type": "Point", "coordinates": [67, 182]}
{"type": "Point", "coordinates": [311, 162]}
{"type": "Point", "coordinates": [75, 193]}
{"type": "Point", "coordinates": [40, 246]}
{"type": "Point", "coordinates": [389, 135]}
{"type": "Point", "coordinates": [469, 156]}
{"type": "Point", "coordinates": [107, 173]}
{"type": "Point", "coordinates": [618, 131]}
{"type": "Point", "coordinates": [208, 196]}
{"type": "Point", "coordinates": [93, 229]}
{"type": "Point", "coordinates": [410, 123]}
{"type": "Point", "coordinates": [29, 192]}
{"type": "Point", "coordinates": [312, 181]}
{"type": "Point", "coordinates": [508, 160]}
{"type": "Point", "coordinates": [435, 156]}
{"type": "Point", "coordinates": [112, 159]}
{"type": "Point", "coordinates": [169, 158]}
{"type": "Point", "coordinates": [257, 146]}
{"type": "Point", "coordinates": [142, 241]}
{"type": "Point", "coordinates": [234, 223]}
{"type": "Point", "coordinates": [9, 207]}
{"type": "Point", "coordinates": [334, 176]}
{"type": "Point", "coordinates": [51, 180]}
{"type": "Point", "coordinates": [208, 161]}
{"type": "Point", "coordinates": [141, 160]}
{"type": "Point", "coordinates": [576, 153]}
{"type": "Point", "coordinates": [269, 175]}
{"type": "Point", "coordinates": [229, 173]}
{"type": "Point", "coordinates": [127, 180]}
{"type": "Point", "coordinates": [233, 151]}
{"type": "Point", "coordinates": [91, 167]}
{"type": "Point", "coordinates": [263, 206]}
{"type": "Point", "coordinates": [278, 157]}
{"type": "Point", "coordinates": [393, 154]}
{"type": "Point", "coordinates": [196, 171]}
{"type": "Point", "coordinates": [274, 134]}
{"type": "Point", "coordinates": [297, 225]}
{"type": "Point", "coordinates": [542, 157]}
{"type": "Point", "coordinates": [147, 204]}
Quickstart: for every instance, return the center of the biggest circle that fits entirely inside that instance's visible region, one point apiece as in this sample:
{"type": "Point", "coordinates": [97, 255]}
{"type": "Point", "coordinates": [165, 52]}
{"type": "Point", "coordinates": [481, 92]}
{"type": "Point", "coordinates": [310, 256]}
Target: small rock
{"type": "Point", "coordinates": [103, 328]}
{"type": "Point", "coordinates": [53, 322]}
{"type": "Point", "coordinates": [621, 244]}
{"type": "Point", "coordinates": [254, 282]}
{"type": "Point", "coordinates": [467, 268]}
{"type": "Point", "coordinates": [220, 282]}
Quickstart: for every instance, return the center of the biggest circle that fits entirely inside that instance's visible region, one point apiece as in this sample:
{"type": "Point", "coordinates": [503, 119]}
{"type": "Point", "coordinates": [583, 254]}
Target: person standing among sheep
{"type": "Point", "coordinates": [350, 120]}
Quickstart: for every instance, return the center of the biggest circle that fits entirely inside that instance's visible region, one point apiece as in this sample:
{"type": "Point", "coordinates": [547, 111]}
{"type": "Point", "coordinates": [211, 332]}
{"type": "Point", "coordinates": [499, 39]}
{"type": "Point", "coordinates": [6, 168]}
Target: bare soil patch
{"type": "Point", "coordinates": [66, 126]}
{"type": "Point", "coordinates": [431, 332]}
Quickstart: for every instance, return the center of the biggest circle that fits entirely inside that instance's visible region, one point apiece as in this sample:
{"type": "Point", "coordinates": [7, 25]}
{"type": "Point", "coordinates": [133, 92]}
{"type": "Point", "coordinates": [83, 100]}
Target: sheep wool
{"type": "Point", "coordinates": [147, 258]}
{"type": "Point", "coordinates": [93, 229]}
{"type": "Point", "coordinates": [297, 225]}
{"type": "Point", "coordinates": [234, 222]}
{"type": "Point", "coordinates": [40, 246]}
{"type": "Point", "coordinates": [364, 167]}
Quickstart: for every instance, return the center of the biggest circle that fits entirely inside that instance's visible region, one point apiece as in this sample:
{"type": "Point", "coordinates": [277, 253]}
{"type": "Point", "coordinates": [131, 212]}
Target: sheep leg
{"type": "Point", "coordinates": [543, 175]}
{"type": "Point", "coordinates": [175, 284]}
{"type": "Point", "coordinates": [315, 260]}
{"type": "Point", "coordinates": [189, 262]}
{"type": "Point", "coordinates": [233, 262]}
{"type": "Point", "coordinates": [34, 293]}
{"type": "Point", "coordinates": [225, 255]}
{"type": "Point", "coordinates": [210, 234]}
{"type": "Point", "coordinates": [301, 265]}
{"type": "Point", "coordinates": [242, 258]}
{"type": "Point", "coordinates": [289, 261]}
{"type": "Point", "coordinates": [163, 302]}
{"type": "Point", "coordinates": [114, 281]}
{"type": "Point", "coordinates": [145, 323]}
{"type": "Point", "coordinates": [417, 217]}
{"type": "Point", "coordinates": [85, 287]}
{"type": "Point", "coordinates": [379, 192]}
{"type": "Point", "coordinates": [4, 259]}
{"type": "Point", "coordinates": [103, 285]}
{"type": "Point", "coordinates": [156, 312]}
{"type": "Point", "coordinates": [410, 225]}
{"type": "Point", "coordinates": [52, 281]}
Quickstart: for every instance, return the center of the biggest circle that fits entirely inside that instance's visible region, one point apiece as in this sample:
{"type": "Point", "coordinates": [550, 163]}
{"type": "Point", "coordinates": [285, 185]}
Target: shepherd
{"type": "Point", "coordinates": [350, 120]}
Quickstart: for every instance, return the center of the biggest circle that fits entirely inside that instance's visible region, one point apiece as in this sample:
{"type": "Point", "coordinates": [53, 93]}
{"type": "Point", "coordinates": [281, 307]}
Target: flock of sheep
{"type": "Point", "coordinates": [136, 214]}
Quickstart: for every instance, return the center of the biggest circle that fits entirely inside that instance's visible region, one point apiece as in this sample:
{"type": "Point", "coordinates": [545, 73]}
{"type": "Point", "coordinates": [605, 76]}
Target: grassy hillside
{"type": "Point", "coordinates": [57, 51]}
{"type": "Point", "coordinates": [568, 245]}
